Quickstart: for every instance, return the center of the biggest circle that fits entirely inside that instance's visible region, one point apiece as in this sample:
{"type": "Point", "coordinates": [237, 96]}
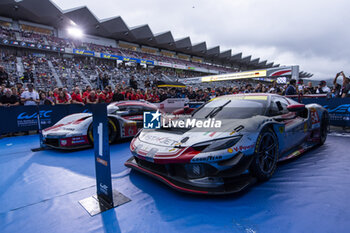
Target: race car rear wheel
{"type": "Point", "coordinates": [324, 128]}
{"type": "Point", "coordinates": [112, 132]}
{"type": "Point", "coordinates": [266, 155]}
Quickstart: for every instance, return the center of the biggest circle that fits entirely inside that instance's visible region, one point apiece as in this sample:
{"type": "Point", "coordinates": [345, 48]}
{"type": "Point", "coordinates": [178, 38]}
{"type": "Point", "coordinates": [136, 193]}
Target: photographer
{"type": "Point", "coordinates": [344, 90]}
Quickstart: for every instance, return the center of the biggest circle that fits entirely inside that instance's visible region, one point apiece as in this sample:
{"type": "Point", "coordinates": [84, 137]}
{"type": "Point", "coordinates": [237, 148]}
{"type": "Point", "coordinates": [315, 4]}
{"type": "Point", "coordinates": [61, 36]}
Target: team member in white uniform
{"type": "Point", "coordinates": [30, 97]}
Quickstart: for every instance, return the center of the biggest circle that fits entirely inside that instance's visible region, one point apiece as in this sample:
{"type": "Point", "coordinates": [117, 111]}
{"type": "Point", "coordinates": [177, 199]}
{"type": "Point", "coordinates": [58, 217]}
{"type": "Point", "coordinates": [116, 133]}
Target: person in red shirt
{"type": "Point", "coordinates": [109, 95]}
{"type": "Point", "coordinates": [77, 98]}
{"type": "Point", "coordinates": [123, 92]}
{"type": "Point", "coordinates": [148, 95]}
{"type": "Point", "coordinates": [139, 95]}
{"type": "Point", "coordinates": [155, 97]}
{"type": "Point", "coordinates": [102, 96]}
{"type": "Point", "coordinates": [62, 98]}
{"type": "Point", "coordinates": [92, 98]}
{"type": "Point", "coordinates": [128, 94]}
{"type": "Point", "coordinates": [55, 92]}
{"type": "Point", "coordinates": [134, 96]}
{"type": "Point", "coordinates": [87, 92]}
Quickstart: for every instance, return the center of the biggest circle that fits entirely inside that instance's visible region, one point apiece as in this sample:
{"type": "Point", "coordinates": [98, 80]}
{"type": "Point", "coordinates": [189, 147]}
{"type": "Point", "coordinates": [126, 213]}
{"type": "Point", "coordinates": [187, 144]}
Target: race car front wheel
{"type": "Point", "coordinates": [266, 155]}
{"type": "Point", "coordinates": [112, 132]}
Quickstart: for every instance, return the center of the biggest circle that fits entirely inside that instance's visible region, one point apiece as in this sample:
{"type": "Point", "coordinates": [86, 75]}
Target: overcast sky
{"type": "Point", "coordinates": [310, 33]}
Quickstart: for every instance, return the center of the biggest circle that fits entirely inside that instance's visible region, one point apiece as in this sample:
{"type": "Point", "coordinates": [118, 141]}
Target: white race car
{"type": "Point", "coordinates": [125, 118]}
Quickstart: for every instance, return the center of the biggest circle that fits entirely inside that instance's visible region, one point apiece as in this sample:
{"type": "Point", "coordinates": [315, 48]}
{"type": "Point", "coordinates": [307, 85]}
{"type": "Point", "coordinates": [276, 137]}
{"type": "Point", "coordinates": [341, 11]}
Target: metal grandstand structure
{"type": "Point", "coordinates": [48, 13]}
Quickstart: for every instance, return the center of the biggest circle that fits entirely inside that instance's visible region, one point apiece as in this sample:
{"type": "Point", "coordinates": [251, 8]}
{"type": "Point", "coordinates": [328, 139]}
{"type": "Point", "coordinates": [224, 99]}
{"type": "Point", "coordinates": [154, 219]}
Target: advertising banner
{"type": "Point", "coordinates": [126, 59]}
{"type": "Point", "coordinates": [183, 67]}
{"type": "Point", "coordinates": [136, 60]}
{"type": "Point", "coordinates": [24, 118]}
{"type": "Point", "coordinates": [233, 76]}
{"type": "Point", "coordinates": [148, 62]}
{"type": "Point", "coordinates": [269, 73]}
{"type": "Point", "coordinates": [84, 52]}
{"type": "Point", "coordinates": [111, 56]}
{"type": "Point", "coordinates": [165, 64]}
{"type": "Point", "coordinates": [338, 109]}
{"type": "Point", "coordinates": [30, 45]}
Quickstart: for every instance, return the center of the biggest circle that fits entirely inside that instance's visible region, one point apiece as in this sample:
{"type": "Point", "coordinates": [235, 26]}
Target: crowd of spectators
{"type": "Point", "coordinates": [48, 38]}
{"type": "Point", "coordinates": [337, 91]}
{"type": "Point", "coordinates": [6, 33]}
{"type": "Point", "coordinates": [25, 94]}
{"type": "Point", "coordinates": [71, 71]}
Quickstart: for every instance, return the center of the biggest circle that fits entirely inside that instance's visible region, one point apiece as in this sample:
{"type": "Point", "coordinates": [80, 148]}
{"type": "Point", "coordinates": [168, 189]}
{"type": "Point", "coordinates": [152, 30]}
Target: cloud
{"type": "Point", "coordinates": [309, 33]}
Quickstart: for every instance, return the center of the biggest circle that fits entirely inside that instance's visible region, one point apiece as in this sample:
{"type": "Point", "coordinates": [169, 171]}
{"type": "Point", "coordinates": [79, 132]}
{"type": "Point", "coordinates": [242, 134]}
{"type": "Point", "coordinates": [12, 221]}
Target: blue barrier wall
{"type": "Point", "coordinates": [338, 108]}
{"type": "Point", "coordinates": [24, 118]}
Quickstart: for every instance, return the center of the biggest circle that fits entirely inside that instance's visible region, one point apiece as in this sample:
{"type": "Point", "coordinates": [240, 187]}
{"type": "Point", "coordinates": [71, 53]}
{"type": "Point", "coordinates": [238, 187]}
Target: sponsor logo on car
{"type": "Point", "coordinates": [208, 158]}
{"type": "Point", "coordinates": [63, 142]}
{"type": "Point", "coordinates": [159, 140]}
{"type": "Point", "coordinates": [242, 148]}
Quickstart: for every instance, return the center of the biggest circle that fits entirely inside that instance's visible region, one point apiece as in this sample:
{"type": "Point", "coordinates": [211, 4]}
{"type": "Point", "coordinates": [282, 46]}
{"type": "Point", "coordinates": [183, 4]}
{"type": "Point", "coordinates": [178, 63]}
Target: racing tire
{"type": "Point", "coordinates": [324, 128]}
{"type": "Point", "coordinates": [266, 155]}
{"type": "Point", "coordinates": [113, 130]}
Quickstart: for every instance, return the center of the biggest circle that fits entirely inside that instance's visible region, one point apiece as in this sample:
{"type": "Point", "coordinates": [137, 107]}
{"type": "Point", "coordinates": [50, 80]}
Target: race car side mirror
{"type": "Point", "coordinates": [296, 107]}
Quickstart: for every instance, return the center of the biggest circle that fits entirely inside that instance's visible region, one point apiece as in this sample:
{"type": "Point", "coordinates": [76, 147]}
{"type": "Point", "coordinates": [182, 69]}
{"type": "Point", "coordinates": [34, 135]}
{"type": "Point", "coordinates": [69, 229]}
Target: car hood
{"type": "Point", "coordinates": [73, 123]}
{"type": "Point", "coordinates": [170, 137]}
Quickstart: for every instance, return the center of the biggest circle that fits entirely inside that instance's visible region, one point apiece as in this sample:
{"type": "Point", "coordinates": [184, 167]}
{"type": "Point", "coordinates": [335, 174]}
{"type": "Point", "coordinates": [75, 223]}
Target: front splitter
{"type": "Point", "coordinates": [234, 185]}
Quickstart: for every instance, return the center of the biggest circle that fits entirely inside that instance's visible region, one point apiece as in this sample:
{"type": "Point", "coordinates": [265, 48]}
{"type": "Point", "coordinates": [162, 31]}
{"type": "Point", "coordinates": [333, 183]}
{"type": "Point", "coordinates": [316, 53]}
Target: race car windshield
{"type": "Point", "coordinates": [235, 109]}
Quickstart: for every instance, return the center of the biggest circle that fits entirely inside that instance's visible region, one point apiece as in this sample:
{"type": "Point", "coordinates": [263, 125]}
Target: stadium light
{"type": "Point", "coordinates": [75, 32]}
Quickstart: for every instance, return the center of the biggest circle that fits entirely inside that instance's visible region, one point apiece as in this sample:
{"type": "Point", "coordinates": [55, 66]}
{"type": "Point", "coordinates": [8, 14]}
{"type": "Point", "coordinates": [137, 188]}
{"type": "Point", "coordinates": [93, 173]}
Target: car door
{"type": "Point", "coordinates": [294, 124]}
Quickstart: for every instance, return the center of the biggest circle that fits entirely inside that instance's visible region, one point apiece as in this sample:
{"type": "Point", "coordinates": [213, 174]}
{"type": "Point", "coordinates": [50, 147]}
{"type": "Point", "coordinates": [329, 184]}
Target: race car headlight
{"type": "Point", "coordinates": [218, 144]}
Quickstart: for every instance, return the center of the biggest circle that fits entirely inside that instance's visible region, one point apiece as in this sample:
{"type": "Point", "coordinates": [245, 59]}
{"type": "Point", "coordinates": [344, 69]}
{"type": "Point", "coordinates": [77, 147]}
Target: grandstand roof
{"type": "Point", "coordinates": [262, 64]}
{"type": "Point", "coordinates": [46, 12]}
{"type": "Point", "coordinates": [269, 65]}
{"type": "Point", "coordinates": [199, 49]}
{"type": "Point", "coordinates": [255, 61]}
{"type": "Point", "coordinates": [183, 45]}
{"type": "Point", "coordinates": [246, 60]}
{"type": "Point", "coordinates": [236, 57]}
{"type": "Point", "coordinates": [226, 54]}
{"type": "Point", "coordinates": [213, 52]}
